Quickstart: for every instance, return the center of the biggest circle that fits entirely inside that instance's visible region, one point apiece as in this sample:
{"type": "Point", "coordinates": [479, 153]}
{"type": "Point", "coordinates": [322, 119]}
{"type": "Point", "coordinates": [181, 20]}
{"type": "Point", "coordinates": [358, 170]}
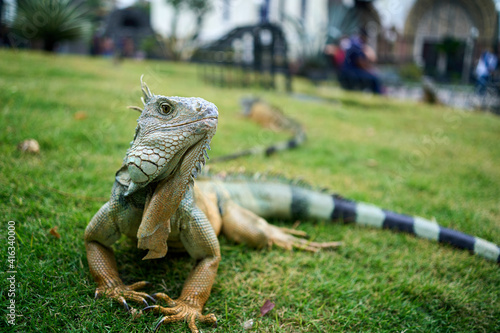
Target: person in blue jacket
{"type": "Point", "coordinates": [485, 67]}
{"type": "Point", "coordinates": [358, 70]}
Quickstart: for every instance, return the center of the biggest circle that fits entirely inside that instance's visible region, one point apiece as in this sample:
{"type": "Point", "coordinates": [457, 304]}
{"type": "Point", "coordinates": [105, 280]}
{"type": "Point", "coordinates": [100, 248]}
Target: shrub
{"type": "Point", "coordinates": [51, 21]}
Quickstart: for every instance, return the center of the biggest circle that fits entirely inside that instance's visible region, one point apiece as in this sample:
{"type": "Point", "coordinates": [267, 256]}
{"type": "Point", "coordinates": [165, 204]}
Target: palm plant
{"type": "Point", "coordinates": [182, 48]}
{"type": "Point", "coordinates": [343, 21]}
{"type": "Point", "coordinates": [310, 46]}
{"type": "Point", "coordinates": [51, 21]}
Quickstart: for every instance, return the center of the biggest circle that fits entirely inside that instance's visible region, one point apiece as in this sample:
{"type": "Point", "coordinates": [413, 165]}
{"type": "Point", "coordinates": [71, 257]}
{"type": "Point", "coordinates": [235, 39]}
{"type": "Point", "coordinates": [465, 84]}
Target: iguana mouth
{"type": "Point", "coordinates": [193, 122]}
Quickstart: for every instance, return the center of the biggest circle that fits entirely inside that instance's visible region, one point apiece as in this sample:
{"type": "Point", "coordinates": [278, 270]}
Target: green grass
{"type": "Point", "coordinates": [411, 158]}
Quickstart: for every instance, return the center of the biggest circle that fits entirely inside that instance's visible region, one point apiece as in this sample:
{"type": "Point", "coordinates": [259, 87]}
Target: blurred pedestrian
{"type": "Point", "coordinates": [358, 69]}
{"type": "Point", "coordinates": [336, 52]}
{"type": "Point", "coordinates": [486, 65]}
{"type": "Point", "coordinates": [107, 47]}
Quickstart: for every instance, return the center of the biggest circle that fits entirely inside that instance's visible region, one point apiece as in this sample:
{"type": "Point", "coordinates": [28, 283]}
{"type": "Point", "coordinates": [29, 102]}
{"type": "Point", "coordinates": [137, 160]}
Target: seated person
{"type": "Point", "coordinates": [336, 52]}
{"type": "Point", "coordinates": [358, 71]}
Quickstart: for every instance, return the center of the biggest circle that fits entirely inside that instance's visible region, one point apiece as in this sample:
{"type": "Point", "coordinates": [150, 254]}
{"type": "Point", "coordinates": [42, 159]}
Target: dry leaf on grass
{"type": "Point", "coordinates": [247, 325]}
{"type": "Point", "coordinates": [80, 115]}
{"type": "Point", "coordinates": [268, 306]}
{"type": "Point", "coordinates": [29, 146]}
{"type": "Point", "coordinates": [53, 232]}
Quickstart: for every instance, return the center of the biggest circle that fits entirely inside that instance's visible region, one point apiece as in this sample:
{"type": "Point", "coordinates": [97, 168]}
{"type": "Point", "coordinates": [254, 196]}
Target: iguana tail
{"type": "Point", "coordinates": [270, 117]}
{"type": "Point", "coordinates": [270, 199]}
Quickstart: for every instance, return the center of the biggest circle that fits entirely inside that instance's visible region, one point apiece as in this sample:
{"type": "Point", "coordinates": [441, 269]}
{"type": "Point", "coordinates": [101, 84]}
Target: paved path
{"type": "Point", "coordinates": [460, 97]}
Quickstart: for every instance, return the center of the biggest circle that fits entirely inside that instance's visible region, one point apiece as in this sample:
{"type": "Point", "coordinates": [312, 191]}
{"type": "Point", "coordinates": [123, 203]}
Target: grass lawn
{"type": "Point", "coordinates": [416, 159]}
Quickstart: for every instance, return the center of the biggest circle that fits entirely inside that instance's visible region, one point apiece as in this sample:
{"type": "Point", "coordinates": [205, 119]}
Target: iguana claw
{"type": "Point", "coordinates": [180, 310]}
{"type": "Point", "coordinates": [151, 298]}
{"type": "Point", "coordinates": [122, 292]}
{"type": "Point", "coordinates": [124, 303]}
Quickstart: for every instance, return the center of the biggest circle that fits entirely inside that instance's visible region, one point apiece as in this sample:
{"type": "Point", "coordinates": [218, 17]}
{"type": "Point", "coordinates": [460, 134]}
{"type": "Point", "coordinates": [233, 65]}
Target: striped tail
{"type": "Point", "coordinates": [369, 215]}
{"type": "Point", "coordinates": [276, 199]}
{"type": "Point", "coordinates": [292, 143]}
{"type": "Point", "coordinates": [268, 116]}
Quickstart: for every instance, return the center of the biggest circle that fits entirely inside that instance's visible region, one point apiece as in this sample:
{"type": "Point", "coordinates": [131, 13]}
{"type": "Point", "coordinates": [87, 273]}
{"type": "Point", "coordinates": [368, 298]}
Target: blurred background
{"type": "Point", "coordinates": [68, 69]}
{"type": "Point", "coordinates": [453, 44]}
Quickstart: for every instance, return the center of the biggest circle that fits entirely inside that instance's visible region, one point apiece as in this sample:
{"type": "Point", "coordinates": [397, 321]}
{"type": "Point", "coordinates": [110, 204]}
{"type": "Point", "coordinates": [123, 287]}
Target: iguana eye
{"type": "Point", "coordinates": [165, 108]}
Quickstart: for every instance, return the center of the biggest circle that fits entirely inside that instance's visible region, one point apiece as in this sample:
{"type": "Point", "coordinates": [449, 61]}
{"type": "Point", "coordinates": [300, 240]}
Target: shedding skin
{"type": "Point", "coordinates": [155, 200]}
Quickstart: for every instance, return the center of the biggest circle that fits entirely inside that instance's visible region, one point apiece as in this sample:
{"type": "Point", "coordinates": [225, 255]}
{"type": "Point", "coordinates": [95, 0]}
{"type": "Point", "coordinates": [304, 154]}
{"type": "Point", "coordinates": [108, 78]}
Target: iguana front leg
{"type": "Point", "coordinates": [194, 295]}
{"type": "Point", "coordinates": [200, 240]}
{"type": "Point", "coordinates": [100, 234]}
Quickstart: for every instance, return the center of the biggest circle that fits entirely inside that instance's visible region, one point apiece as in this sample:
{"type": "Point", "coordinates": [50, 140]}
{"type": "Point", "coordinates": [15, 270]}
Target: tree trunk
{"type": "Point", "coordinates": [49, 45]}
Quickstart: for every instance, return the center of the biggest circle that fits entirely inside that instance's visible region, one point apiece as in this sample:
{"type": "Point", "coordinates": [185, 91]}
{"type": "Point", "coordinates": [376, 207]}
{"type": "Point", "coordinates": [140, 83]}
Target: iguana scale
{"type": "Point", "coordinates": [155, 201]}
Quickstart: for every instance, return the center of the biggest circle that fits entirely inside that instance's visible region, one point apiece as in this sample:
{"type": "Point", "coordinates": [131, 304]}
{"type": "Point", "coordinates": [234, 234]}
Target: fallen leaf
{"type": "Point", "coordinates": [53, 232]}
{"type": "Point", "coordinates": [80, 115]}
{"type": "Point", "coordinates": [135, 314]}
{"type": "Point", "coordinates": [247, 325]}
{"type": "Point", "coordinates": [268, 306]}
{"type": "Point", "coordinates": [29, 146]}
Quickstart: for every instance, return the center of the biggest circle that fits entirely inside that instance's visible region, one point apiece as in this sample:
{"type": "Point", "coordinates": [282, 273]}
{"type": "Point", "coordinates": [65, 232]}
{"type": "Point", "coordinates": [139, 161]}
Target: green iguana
{"type": "Point", "coordinates": [271, 117]}
{"type": "Point", "coordinates": [155, 200]}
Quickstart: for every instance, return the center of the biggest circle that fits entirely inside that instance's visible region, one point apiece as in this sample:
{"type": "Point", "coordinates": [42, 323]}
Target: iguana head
{"type": "Point", "coordinates": [171, 132]}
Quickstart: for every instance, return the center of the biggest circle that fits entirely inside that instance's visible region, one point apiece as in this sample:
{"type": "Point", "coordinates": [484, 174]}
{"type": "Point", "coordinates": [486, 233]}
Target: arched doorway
{"type": "Point", "coordinates": [440, 30]}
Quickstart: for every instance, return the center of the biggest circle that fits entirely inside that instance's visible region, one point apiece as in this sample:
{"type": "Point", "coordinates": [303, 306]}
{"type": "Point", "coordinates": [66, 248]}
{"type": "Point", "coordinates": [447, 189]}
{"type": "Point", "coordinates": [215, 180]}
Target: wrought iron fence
{"type": "Point", "coordinates": [246, 56]}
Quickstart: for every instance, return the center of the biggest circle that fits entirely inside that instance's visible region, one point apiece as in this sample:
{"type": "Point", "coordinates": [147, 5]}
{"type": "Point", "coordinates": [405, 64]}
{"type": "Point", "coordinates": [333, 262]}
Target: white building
{"type": "Point", "coordinates": [420, 24]}
{"type": "Point", "coordinates": [226, 15]}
